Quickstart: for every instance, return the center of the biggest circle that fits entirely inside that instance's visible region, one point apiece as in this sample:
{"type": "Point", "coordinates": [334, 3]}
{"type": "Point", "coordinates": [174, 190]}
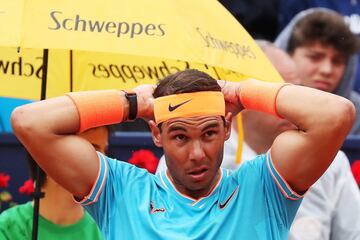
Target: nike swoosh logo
{"type": "Point", "coordinates": [223, 205]}
{"type": "Point", "coordinates": [172, 108]}
{"type": "Point", "coordinates": [155, 210]}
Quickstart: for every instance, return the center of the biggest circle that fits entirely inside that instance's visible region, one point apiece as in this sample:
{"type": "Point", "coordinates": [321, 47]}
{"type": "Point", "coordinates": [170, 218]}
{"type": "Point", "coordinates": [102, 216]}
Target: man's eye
{"type": "Point", "coordinates": [314, 57]}
{"type": "Point", "coordinates": [180, 137]}
{"type": "Point", "coordinates": [210, 133]}
{"type": "Point", "coordinates": [339, 61]}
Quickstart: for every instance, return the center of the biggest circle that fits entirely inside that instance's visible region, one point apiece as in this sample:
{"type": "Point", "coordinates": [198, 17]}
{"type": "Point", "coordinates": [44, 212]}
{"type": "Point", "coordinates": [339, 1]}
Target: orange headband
{"type": "Point", "coordinates": [189, 105]}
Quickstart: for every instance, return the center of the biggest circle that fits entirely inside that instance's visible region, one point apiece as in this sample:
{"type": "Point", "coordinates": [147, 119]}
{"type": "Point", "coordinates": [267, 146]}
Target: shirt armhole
{"type": "Point", "coordinates": [98, 185]}
{"type": "Point", "coordinates": [284, 187]}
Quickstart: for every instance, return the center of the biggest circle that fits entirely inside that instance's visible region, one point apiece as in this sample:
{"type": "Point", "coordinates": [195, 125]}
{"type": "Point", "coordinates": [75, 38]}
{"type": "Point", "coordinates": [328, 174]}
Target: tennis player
{"type": "Point", "coordinates": [189, 115]}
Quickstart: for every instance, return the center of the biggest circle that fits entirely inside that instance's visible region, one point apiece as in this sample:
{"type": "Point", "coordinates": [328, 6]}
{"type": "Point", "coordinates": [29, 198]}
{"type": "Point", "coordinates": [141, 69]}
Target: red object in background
{"type": "Point", "coordinates": [355, 168]}
{"type": "Point", "coordinates": [4, 179]}
{"type": "Point", "coordinates": [144, 159]}
{"type": "Point", "coordinates": [27, 188]}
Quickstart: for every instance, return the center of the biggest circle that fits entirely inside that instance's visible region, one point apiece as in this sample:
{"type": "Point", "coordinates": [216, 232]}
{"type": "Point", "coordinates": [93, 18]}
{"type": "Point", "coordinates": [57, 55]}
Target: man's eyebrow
{"type": "Point", "coordinates": [212, 125]}
{"type": "Point", "coordinates": [176, 128]}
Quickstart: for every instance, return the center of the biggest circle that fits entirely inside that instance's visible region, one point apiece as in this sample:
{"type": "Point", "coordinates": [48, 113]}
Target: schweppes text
{"type": "Point", "coordinates": [119, 28]}
{"type": "Point", "coordinates": [136, 73]}
{"type": "Point", "coordinates": [21, 68]}
{"type": "Point", "coordinates": [239, 50]}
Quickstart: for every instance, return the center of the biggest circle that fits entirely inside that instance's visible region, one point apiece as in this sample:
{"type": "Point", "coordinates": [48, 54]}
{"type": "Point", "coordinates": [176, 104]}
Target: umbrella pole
{"type": "Point", "coordinates": [36, 196]}
{"type": "Point", "coordinates": [37, 193]}
{"type": "Point", "coordinates": [44, 75]}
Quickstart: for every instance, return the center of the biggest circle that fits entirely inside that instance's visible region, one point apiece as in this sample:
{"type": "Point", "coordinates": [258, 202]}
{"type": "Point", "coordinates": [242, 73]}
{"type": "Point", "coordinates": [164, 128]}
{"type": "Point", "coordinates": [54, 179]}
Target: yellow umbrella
{"type": "Point", "coordinates": [154, 38]}
{"type": "Point", "coordinates": [200, 31]}
{"type": "Point", "coordinates": [21, 71]}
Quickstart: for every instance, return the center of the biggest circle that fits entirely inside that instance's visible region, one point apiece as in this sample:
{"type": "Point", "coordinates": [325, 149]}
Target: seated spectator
{"type": "Point", "coordinates": [323, 48]}
{"type": "Point", "coordinates": [60, 216]}
{"type": "Point", "coordinates": [331, 208]}
{"type": "Point", "coordinates": [350, 10]}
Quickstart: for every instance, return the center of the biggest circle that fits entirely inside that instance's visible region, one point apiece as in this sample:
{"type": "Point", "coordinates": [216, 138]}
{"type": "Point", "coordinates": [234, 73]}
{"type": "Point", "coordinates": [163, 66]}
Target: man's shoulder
{"type": "Point", "coordinates": [251, 167]}
{"type": "Point", "coordinates": [254, 161]}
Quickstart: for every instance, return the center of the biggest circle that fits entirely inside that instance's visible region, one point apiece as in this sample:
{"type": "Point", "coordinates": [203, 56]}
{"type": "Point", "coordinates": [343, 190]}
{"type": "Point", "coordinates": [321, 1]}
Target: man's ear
{"type": "Point", "coordinates": [156, 134]}
{"type": "Point", "coordinates": [228, 121]}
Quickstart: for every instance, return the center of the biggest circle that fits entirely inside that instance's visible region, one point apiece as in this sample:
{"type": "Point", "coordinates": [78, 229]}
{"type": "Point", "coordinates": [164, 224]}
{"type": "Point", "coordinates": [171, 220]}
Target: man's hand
{"type": "Point", "coordinates": [145, 101]}
{"type": "Point", "coordinates": [231, 91]}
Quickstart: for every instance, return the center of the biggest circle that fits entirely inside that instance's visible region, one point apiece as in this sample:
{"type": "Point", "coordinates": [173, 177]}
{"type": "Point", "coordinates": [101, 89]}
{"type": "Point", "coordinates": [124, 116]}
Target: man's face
{"type": "Point", "coordinates": [193, 149]}
{"type": "Point", "coordinates": [319, 66]}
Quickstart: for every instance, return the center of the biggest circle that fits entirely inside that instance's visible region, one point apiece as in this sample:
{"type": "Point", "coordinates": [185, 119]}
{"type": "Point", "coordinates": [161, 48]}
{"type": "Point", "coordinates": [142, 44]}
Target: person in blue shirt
{"type": "Point", "coordinates": [189, 114]}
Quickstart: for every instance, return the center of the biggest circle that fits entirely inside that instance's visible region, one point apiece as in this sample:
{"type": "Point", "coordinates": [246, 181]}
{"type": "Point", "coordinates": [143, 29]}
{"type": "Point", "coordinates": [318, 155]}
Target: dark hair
{"type": "Point", "coordinates": [33, 166]}
{"type": "Point", "coordinates": [327, 28]}
{"type": "Point", "coordinates": [186, 81]}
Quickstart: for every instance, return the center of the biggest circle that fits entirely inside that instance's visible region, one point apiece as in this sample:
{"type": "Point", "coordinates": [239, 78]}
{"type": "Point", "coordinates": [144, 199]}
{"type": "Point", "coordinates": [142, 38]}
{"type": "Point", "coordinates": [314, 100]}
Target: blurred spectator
{"type": "Point", "coordinates": [349, 9]}
{"type": "Point", "coordinates": [60, 216]}
{"type": "Point", "coordinates": [323, 49]}
{"type": "Point", "coordinates": [330, 209]}
{"type": "Point", "coordinates": [258, 17]}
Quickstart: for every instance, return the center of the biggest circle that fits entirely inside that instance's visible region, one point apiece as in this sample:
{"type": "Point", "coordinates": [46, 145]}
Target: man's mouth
{"type": "Point", "coordinates": [198, 174]}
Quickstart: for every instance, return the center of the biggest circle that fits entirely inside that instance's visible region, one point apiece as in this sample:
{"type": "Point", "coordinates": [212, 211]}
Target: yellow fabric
{"type": "Point", "coordinates": [11, 18]}
{"type": "Point", "coordinates": [93, 70]}
{"type": "Point", "coordinates": [160, 29]}
{"type": "Point", "coordinates": [21, 71]}
{"type": "Point", "coordinates": [189, 105]}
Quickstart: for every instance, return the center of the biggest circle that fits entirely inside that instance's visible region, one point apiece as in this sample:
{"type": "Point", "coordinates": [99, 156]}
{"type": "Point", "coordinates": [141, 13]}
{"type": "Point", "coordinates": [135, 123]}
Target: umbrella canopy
{"type": "Point", "coordinates": [199, 31]}
{"type": "Point", "coordinates": [21, 71]}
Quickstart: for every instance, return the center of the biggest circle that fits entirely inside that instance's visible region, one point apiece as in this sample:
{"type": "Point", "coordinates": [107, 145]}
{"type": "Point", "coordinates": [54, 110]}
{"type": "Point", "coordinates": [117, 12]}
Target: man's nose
{"type": "Point", "coordinates": [326, 66]}
{"type": "Point", "coordinates": [196, 152]}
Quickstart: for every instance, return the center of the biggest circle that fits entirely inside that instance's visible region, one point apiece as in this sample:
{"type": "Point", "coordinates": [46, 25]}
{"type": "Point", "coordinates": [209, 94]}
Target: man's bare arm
{"type": "Point", "coordinates": [323, 121]}
{"type": "Point", "coordinates": [48, 129]}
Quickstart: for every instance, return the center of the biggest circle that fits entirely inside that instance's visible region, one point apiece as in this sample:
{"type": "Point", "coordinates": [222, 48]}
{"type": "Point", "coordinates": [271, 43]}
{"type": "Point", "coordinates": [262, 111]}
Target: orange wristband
{"type": "Point", "coordinates": [98, 108]}
{"type": "Point", "coordinates": [260, 96]}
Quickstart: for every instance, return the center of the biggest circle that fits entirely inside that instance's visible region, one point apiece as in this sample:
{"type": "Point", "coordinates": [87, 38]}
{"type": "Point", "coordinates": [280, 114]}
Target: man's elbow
{"type": "Point", "coordinates": [345, 115]}
{"type": "Point", "coordinates": [21, 121]}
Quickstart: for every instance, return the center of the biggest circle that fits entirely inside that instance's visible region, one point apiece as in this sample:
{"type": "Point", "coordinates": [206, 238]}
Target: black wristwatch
{"type": "Point", "coordinates": [132, 99]}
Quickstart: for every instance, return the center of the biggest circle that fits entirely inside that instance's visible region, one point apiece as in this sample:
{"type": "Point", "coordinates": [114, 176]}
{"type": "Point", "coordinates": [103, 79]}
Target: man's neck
{"type": "Point", "coordinates": [58, 206]}
{"type": "Point", "coordinates": [198, 193]}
